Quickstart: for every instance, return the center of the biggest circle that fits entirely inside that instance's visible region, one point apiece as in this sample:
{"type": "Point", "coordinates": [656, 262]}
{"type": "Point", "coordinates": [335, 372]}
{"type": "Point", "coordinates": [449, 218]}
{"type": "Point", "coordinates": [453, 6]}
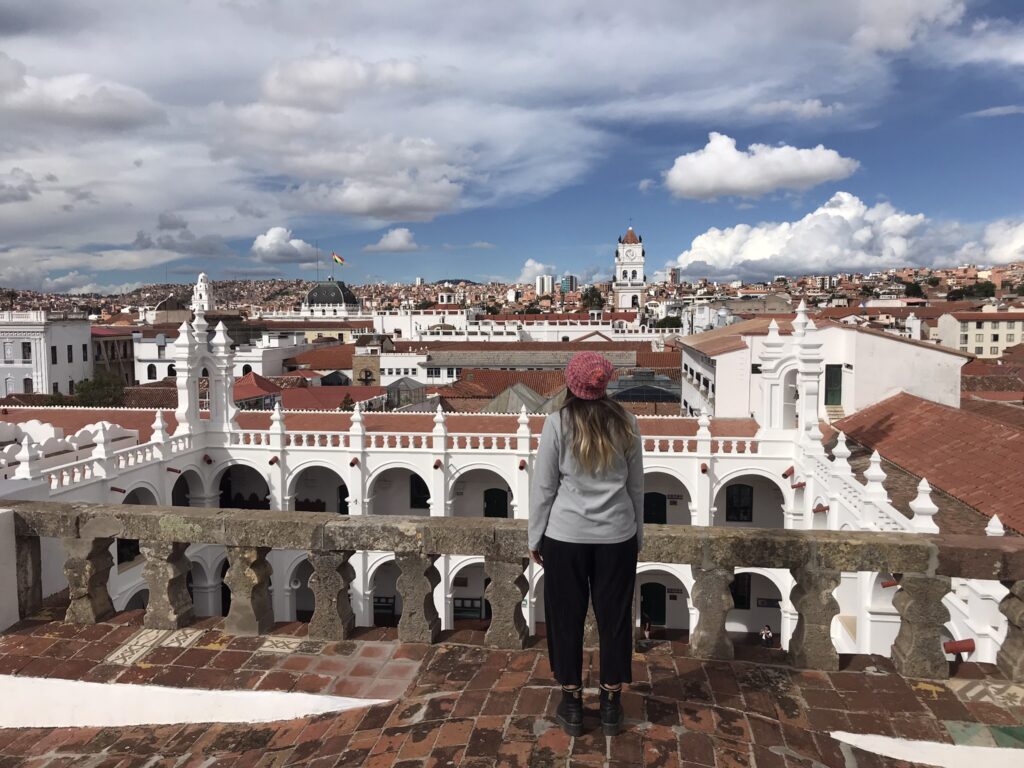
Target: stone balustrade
{"type": "Point", "coordinates": [922, 565]}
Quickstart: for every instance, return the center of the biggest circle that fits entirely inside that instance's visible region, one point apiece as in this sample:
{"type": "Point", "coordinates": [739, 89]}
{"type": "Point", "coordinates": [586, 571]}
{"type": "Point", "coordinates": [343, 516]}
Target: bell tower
{"type": "Point", "coordinates": [630, 282]}
{"type": "Point", "coordinates": [202, 295]}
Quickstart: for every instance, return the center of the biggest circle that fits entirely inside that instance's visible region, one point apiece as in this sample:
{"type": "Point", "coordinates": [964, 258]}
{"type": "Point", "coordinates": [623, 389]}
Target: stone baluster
{"type": "Point", "coordinates": [505, 593]}
{"type": "Point", "coordinates": [917, 650]}
{"type": "Point", "coordinates": [166, 574]}
{"type": "Point", "coordinates": [29, 569]}
{"type": "Point", "coordinates": [333, 618]}
{"type": "Point", "coordinates": [713, 598]}
{"type": "Point", "coordinates": [1010, 658]}
{"type": "Point", "coordinates": [87, 569]}
{"type": "Point", "coordinates": [417, 577]}
{"type": "Point", "coordinates": [811, 644]}
{"type": "Point", "coordinates": [248, 578]}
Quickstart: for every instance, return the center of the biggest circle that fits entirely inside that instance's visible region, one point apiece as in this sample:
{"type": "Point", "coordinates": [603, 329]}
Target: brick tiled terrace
{"type": "Point", "coordinates": [459, 705]}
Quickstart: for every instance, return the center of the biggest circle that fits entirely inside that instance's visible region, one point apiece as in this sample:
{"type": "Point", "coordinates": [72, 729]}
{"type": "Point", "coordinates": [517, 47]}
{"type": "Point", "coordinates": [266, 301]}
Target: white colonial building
{"type": "Point", "coordinates": [44, 352]}
{"type": "Point", "coordinates": [773, 473]}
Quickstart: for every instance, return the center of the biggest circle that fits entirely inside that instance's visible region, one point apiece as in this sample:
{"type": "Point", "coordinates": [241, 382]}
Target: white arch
{"type": "Point", "coordinates": [660, 469]}
{"type": "Point", "coordinates": [293, 476]}
{"type": "Point", "coordinates": [144, 484]}
{"type": "Point", "coordinates": [736, 474]}
{"type": "Point", "coordinates": [468, 561]}
{"type": "Point", "coordinates": [292, 567]}
{"type": "Point", "coordinates": [220, 469]}
{"type": "Point", "coordinates": [371, 570]}
{"type": "Point", "coordinates": [666, 568]}
{"type": "Point", "coordinates": [127, 598]}
{"type": "Point", "coordinates": [372, 478]}
{"type": "Point", "coordinates": [775, 578]}
{"type": "Point", "coordinates": [477, 466]}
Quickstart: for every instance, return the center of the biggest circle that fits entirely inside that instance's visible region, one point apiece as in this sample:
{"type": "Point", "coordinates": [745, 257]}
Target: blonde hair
{"type": "Point", "coordinates": [599, 431]}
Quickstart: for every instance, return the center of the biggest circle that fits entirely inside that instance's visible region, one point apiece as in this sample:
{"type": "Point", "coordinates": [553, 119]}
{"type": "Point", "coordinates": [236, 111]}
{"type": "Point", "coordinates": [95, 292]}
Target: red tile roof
{"type": "Point", "coordinates": [326, 398]}
{"type": "Point", "coordinates": [252, 386]}
{"type": "Point", "coordinates": [106, 330]}
{"type": "Point", "coordinates": [971, 457]}
{"type": "Point", "coordinates": [629, 238]}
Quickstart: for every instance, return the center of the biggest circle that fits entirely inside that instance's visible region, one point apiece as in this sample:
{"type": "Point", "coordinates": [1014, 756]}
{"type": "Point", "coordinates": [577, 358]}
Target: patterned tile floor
{"type": "Point", "coordinates": [458, 705]}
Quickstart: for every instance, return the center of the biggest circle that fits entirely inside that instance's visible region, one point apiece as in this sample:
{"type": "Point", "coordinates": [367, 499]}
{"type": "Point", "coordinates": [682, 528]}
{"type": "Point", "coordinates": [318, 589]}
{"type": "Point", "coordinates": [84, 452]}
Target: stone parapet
{"type": "Point", "coordinates": [923, 564]}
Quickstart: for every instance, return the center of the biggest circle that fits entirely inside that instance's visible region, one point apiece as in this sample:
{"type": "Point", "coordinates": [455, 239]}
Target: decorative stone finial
{"type": "Point", "coordinates": [277, 417]}
{"type": "Point", "coordinates": [924, 509]}
{"type": "Point", "coordinates": [841, 465]}
{"type": "Point", "coordinates": [221, 341]}
{"type": "Point", "coordinates": [704, 423]}
{"type": "Point", "coordinates": [800, 321]}
{"type": "Point", "coordinates": [184, 342]}
{"type": "Point", "coordinates": [26, 454]}
{"type": "Point", "coordinates": [875, 475]}
{"type": "Point", "coordinates": [200, 326]}
{"type": "Point", "coordinates": [995, 527]}
{"type": "Point", "coordinates": [523, 421]}
{"type": "Point", "coordinates": [159, 428]}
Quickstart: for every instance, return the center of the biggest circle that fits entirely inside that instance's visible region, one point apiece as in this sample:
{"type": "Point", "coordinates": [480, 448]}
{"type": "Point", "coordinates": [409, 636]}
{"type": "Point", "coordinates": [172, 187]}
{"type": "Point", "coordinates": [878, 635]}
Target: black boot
{"type": "Point", "coordinates": [611, 711]}
{"type": "Point", "coordinates": [570, 711]}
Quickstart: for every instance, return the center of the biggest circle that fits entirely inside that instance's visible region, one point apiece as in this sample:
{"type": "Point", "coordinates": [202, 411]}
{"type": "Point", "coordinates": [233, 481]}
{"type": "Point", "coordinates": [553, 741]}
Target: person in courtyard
{"type": "Point", "coordinates": [766, 636]}
{"type": "Point", "coordinates": [586, 530]}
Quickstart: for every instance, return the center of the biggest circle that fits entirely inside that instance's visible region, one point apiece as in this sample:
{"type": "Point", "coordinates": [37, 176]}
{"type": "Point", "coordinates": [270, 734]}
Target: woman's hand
{"type": "Point", "coordinates": [535, 556]}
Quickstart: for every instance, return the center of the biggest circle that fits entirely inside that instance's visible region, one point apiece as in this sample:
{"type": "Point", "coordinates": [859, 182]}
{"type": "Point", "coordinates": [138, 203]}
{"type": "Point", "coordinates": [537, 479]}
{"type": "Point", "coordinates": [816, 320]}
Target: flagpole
{"type": "Point", "coordinates": [332, 266]}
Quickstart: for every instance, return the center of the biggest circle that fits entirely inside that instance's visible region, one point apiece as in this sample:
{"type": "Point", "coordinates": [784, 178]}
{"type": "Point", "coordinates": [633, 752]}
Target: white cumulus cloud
{"type": "Point", "coordinates": [532, 268]}
{"type": "Point", "coordinates": [277, 246]}
{"type": "Point", "coordinates": [1004, 241]}
{"type": "Point", "coordinates": [329, 82]}
{"type": "Point", "coordinates": [720, 169]}
{"type": "Point", "coordinates": [841, 235]}
{"type": "Point", "coordinates": [1004, 111]}
{"type": "Point", "coordinates": [394, 241]}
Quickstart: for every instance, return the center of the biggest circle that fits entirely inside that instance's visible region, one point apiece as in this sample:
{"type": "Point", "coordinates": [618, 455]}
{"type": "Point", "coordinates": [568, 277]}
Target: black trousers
{"type": "Point", "coordinates": [573, 573]}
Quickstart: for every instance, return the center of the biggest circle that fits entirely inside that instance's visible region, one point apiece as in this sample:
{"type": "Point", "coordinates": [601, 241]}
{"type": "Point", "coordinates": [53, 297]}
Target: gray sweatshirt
{"type": "Point", "coordinates": [567, 504]}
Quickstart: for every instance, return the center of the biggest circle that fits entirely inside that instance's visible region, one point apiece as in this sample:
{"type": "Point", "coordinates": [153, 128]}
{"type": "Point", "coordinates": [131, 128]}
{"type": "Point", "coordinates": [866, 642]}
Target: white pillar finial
{"type": "Point", "coordinates": [995, 527]}
{"type": "Point", "coordinates": [159, 428]}
{"type": "Point", "coordinates": [924, 509]}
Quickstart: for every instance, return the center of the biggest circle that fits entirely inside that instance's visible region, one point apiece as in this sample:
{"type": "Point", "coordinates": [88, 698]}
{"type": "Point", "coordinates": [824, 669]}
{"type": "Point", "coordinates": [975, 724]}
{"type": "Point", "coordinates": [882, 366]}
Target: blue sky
{"type": "Point", "coordinates": [741, 140]}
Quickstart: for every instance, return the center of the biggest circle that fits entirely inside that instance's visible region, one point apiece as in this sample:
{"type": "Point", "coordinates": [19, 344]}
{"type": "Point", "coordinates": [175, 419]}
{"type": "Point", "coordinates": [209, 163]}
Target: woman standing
{"type": "Point", "coordinates": [586, 529]}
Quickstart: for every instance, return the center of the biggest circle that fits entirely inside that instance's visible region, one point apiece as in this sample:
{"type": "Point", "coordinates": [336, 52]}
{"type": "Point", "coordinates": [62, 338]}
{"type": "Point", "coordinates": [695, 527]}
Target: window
{"type": "Point", "coordinates": [755, 368]}
{"type": "Point", "coordinates": [71, 353]}
{"type": "Point", "coordinates": [963, 338]}
{"type": "Point", "coordinates": [963, 349]}
{"type": "Point", "coordinates": [85, 353]}
{"type": "Point", "coordinates": [419, 494]}
{"type": "Point", "coordinates": [739, 504]}
{"type": "Point", "coordinates": [451, 372]}
{"type": "Point", "coordinates": [26, 350]}
{"type": "Point", "coordinates": [26, 385]}
{"type": "Point", "coordinates": [993, 350]}
{"type": "Point", "coordinates": [171, 370]}
{"type": "Point", "coordinates": [53, 355]}
{"type": "Point", "coordinates": [979, 324]}
{"type": "Point", "coordinates": [963, 326]}
{"type": "Point", "coordinates": [246, 369]}
{"type": "Point", "coordinates": [151, 372]}
{"type": "Point", "coordinates": [979, 350]}
{"type": "Point", "coordinates": [56, 389]}
{"type": "Point", "coordinates": [433, 373]}
{"type": "Point", "coordinates": [1010, 325]}
{"type": "Point", "coordinates": [995, 337]}
{"type": "Point", "coordinates": [1009, 338]}
{"type": "Point", "coordinates": [71, 387]}
{"type": "Point", "coordinates": [740, 589]}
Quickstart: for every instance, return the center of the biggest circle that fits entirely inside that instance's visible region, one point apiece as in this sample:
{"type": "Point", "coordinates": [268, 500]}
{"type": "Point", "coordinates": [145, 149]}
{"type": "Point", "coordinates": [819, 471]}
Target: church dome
{"type": "Point", "coordinates": [630, 238]}
{"type": "Point", "coordinates": [330, 292]}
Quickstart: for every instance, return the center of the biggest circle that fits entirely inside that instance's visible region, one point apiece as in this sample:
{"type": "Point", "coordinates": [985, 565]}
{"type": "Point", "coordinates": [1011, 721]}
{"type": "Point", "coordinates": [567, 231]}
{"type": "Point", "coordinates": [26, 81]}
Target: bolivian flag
{"type": "Point", "coordinates": [337, 258]}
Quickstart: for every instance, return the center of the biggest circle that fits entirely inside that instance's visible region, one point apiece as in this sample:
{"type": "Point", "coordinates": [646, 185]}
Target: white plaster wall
{"type": "Point", "coordinates": [677, 509]}
{"type": "Point", "coordinates": [318, 483]}
{"type": "Point", "coordinates": [677, 611]}
{"type": "Point", "coordinates": [733, 396]}
{"type": "Point", "coordinates": [752, 620]}
{"type": "Point", "coordinates": [768, 504]}
{"type": "Point", "coordinates": [391, 494]}
{"type": "Point", "coordinates": [468, 493]}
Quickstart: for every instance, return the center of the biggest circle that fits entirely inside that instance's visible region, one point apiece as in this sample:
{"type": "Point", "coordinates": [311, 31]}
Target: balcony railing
{"type": "Point", "coordinates": [923, 567]}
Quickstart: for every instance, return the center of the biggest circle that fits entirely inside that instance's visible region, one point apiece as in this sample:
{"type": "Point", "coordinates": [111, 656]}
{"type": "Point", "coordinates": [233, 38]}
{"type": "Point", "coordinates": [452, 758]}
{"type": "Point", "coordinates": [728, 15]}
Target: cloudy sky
{"type": "Point", "coordinates": [454, 139]}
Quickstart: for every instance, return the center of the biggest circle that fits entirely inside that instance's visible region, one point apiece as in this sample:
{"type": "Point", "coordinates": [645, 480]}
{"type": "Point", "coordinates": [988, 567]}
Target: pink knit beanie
{"type": "Point", "coordinates": [587, 375]}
